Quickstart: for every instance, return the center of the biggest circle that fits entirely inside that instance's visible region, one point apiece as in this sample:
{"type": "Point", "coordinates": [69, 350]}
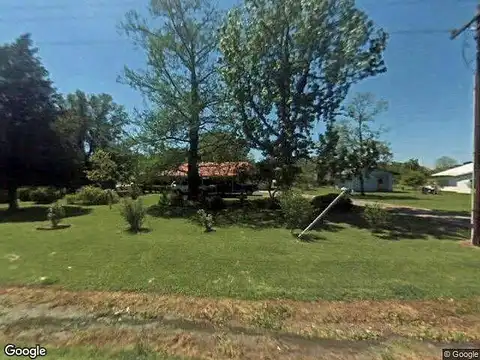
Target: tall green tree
{"type": "Point", "coordinates": [31, 151]}
{"type": "Point", "coordinates": [181, 78]}
{"type": "Point", "coordinates": [93, 121]}
{"type": "Point", "coordinates": [360, 144]}
{"type": "Point", "coordinates": [289, 63]}
{"type": "Point", "coordinates": [104, 168]}
{"type": "Point", "coordinates": [328, 158]}
{"type": "Point", "coordinates": [445, 162]}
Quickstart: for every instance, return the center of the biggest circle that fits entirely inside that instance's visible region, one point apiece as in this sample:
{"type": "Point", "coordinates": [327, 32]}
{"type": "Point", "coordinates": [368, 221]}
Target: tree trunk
{"type": "Point", "coordinates": [193, 136]}
{"type": "Point", "coordinates": [192, 175]}
{"type": "Point", "coordinates": [12, 197]}
{"type": "Point", "coordinates": [362, 185]}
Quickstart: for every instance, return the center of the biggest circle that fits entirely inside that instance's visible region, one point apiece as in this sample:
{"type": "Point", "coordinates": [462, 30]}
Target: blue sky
{"type": "Point", "coordinates": [428, 83]}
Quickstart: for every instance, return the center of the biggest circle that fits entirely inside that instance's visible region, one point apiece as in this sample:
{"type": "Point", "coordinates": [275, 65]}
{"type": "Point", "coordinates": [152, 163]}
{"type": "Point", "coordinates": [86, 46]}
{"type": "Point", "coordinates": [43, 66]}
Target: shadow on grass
{"type": "Point", "coordinates": [38, 213]}
{"type": "Point", "coordinates": [405, 223]}
{"type": "Point", "coordinates": [408, 224]}
{"type": "Point", "coordinates": [253, 214]}
{"type": "Point", "coordinates": [308, 237]}
{"type": "Point", "coordinates": [387, 196]}
{"type": "Point", "coordinates": [141, 231]}
{"type": "Point", "coordinates": [448, 213]}
{"type": "Point", "coordinates": [235, 214]}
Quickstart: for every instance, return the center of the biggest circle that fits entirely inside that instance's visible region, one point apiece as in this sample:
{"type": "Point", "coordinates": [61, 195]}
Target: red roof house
{"type": "Point", "coordinates": [210, 169]}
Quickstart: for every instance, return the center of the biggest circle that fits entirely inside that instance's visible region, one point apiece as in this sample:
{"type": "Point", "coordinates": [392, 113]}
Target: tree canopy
{"type": "Point", "coordinates": [31, 151]}
{"type": "Point", "coordinates": [288, 64]}
{"type": "Point", "coordinates": [360, 147]}
{"type": "Point", "coordinates": [181, 78]}
{"type": "Point", "coordinates": [92, 121]}
{"type": "Point", "coordinates": [223, 146]}
{"type": "Point", "coordinates": [445, 162]}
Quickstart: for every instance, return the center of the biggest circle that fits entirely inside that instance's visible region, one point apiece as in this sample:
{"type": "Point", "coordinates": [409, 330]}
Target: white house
{"type": "Point", "coordinates": [376, 180]}
{"type": "Point", "coordinates": [457, 179]}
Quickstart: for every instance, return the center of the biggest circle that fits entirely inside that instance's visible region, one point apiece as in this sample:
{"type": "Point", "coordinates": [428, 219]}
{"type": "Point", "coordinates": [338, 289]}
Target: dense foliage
{"type": "Point", "coordinates": [283, 73]}
{"type": "Point", "coordinates": [91, 195]}
{"type": "Point", "coordinates": [32, 152]}
{"type": "Point", "coordinates": [297, 210]}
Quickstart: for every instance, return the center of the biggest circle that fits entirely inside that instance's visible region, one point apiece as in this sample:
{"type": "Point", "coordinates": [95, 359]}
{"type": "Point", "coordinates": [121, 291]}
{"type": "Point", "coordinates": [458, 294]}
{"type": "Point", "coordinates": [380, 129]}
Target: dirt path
{"type": "Point", "coordinates": [236, 329]}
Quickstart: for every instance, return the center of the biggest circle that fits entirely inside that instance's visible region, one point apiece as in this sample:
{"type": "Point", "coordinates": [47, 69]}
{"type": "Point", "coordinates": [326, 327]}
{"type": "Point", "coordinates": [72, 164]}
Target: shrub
{"type": "Point", "coordinates": [135, 191]}
{"type": "Point", "coordinates": [45, 195]}
{"type": "Point", "coordinates": [55, 213]}
{"type": "Point", "coordinates": [164, 200]}
{"type": "Point", "coordinates": [321, 202]}
{"type": "Point", "coordinates": [3, 196]}
{"type": "Point", "coordinates": [134, 213]}
{"type": "Point", "coordinates": [267, 203]}
{"type": "Point", "coordinates": [23, 193]}
{"type": "Point", "coordinates": [297, 210]}
{"type": "Point", "coordinates": [176, 199]}
{"type": "Point", "coordinates": [71, 199]}
{"type": "Point", "coordinates": [206, 220]}
{"type": "Point", "coordinates": [215, 203]}
{"type": "Point", "coordinates": [376, 216]}
{"type": "Point", "coordinates": [91, 195]}
{"type": "Point", "coordinates": [112, 197]}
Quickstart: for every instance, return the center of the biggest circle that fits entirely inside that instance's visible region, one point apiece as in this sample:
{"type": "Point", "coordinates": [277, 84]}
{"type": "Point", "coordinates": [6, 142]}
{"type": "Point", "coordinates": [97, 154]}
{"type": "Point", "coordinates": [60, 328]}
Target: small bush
{"type": "Point", "coordinates": [71, 199]}
{"type": "Point", "coordinates": [297, 210]}
{"type": "Point", "coordinates": [112, 197]}
{"type": "Point", "coordinates": [3, 196]}
{"type": "Point", "coordinates": [91, 195]}
{"type": "Point", "coordinates": [55, 213]}
{"type": "Point", "coordinates": [164, 200]}
{"type": "Point", "coordinates": [376, 217]}
{"type": "Point", "coordinates": [206, 220]}
{"type": "Point", "coordinates": [135, 191]}
{"type": "Point", "coordinates": [176, 199]}
{"type": "Point", "coordinates": [267, 203]}
{"type": "Point", "coordinates": [133, 213]}
{"type": "Point", "coordinates": [23, 194]}
{"type": "Point", "coordinates": [215, 203]}
{"type": "Point", "coordinates": [321, 202]}
{"type": "Point", "coordinates": [45, 195]}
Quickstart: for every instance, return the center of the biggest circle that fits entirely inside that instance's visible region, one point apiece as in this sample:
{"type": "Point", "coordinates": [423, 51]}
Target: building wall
{"type": "Point", "coordinates": [371, 182]}
{"type": "Point", "coordinates": [460, 184]}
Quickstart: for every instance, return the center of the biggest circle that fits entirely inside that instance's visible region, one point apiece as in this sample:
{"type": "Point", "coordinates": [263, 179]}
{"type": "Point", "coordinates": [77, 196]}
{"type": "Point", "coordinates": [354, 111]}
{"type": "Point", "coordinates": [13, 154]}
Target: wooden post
{"type": "Point", "coordinates": [475, 232]}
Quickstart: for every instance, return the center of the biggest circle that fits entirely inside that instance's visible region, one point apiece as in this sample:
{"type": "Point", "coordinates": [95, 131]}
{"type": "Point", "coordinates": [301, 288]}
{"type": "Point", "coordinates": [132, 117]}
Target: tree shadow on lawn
{"type": "Point", "coordinates": [387, 196]}
{"type": "Point", "coordinates": [253, 214]}
{"type": "Point", "coordinates": [408, 224]}
{"type": "Point", "coordinates": [431, 212]}
{"type": "Point", "coordinates": [38, 213]}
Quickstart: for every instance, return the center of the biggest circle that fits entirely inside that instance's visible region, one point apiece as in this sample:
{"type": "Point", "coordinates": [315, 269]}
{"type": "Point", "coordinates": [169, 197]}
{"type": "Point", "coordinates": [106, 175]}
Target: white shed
{"type": "Point", "coordinates": [376, 180]}
{"type": "Point", "coordinates": [457, 179]}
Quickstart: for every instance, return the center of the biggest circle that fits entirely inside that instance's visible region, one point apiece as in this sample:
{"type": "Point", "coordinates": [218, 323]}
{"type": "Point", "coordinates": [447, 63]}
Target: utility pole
{"type": "Point", "coordinates": [475, 232]}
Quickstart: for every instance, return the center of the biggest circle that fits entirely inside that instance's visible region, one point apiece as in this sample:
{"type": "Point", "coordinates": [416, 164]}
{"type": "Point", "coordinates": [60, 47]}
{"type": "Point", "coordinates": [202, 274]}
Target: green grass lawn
{"type": "Point", "coordinates": [445, 201]}
{"type": "Point", "coordinates": [176, 256]}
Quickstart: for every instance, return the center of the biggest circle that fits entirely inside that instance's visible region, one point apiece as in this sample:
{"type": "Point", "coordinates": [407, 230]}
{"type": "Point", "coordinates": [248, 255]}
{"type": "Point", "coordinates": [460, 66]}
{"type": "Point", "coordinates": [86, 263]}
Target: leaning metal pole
{"type": "Point", "coordinates": [324, 212]}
